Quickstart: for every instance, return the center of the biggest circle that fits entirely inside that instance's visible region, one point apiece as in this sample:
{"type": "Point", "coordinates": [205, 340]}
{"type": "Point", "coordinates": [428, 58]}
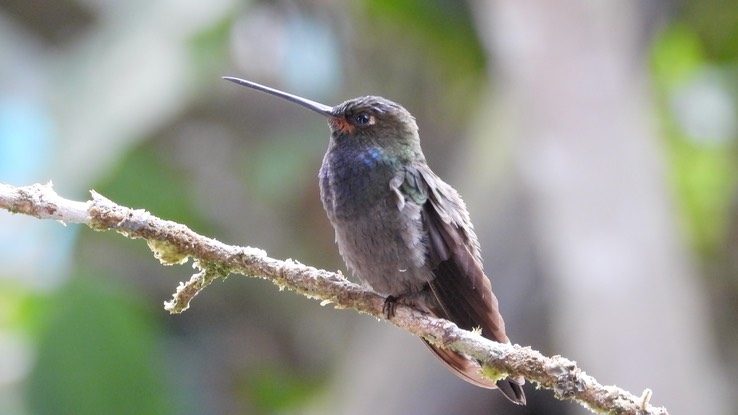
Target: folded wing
{"type": "Point", "coordinates": [462, 292]}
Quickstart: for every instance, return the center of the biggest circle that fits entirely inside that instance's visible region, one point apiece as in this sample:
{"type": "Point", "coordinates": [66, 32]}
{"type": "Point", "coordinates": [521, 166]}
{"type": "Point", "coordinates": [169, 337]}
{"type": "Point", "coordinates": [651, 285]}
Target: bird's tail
{"type": "Point", "coordinates": [468, 369]}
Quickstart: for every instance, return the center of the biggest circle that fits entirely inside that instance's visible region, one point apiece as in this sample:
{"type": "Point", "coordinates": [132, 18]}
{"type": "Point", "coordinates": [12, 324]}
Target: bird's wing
{"type": "Point", "coordinates": [463, 291]}
{"type": "Point", "coordinates": [460, 287]}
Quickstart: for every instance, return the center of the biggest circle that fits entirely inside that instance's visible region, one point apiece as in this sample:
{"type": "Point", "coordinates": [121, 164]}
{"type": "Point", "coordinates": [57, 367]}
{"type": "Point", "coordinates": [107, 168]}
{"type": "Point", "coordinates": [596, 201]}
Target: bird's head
{"type": "Point", "coordinates": [371, 119]}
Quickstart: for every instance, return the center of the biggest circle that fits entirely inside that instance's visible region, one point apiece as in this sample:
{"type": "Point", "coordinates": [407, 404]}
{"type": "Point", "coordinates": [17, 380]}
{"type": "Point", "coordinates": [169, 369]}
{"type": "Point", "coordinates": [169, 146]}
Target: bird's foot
{"type": "Point", "coordinates": [389, 307]}
{"type": "Point", "coordinates": [417, 301]}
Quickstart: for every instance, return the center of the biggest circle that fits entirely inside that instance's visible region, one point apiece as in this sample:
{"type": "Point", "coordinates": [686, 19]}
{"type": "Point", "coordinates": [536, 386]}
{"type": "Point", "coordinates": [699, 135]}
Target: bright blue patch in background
{"type": "Point", "coordinates": [26, 136]}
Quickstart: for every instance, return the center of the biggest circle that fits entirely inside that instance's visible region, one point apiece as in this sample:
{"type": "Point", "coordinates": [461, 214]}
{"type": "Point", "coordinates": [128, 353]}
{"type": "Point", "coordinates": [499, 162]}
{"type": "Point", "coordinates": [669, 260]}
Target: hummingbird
{"type": "Point", "coordinates": [400, 229]}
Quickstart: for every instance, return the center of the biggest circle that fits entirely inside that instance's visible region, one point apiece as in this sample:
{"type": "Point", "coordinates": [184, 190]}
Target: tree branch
{"type": "Point", "coordinates": [173, 243]}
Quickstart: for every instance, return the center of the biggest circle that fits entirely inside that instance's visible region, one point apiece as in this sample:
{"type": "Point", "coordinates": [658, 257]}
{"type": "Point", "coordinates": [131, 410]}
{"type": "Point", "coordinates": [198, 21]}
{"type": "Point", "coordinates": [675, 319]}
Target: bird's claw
{"type": "Point", "coordinates": [389, 307]}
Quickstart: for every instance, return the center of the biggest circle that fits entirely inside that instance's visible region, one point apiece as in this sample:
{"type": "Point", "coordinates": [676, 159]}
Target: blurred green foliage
{"type": "Point", "coordinates": [275, 165]}
{"type": "Point", "coordinates": [676, 55]}
{"type": "Point", "coordinates": [209, 50]}
{"type": "Point", "coordinates": [146, 178]}
{"type": "Point", "coordinates": [715, 23]}
{"type": "Point", "coordinates": [273, 389]}
{"type": "Point", "coordinates": [445, 28]}
{"type": "Point", "coordinates": [99, 354]}
{"type": "Point", "coordinates": [705, 172]}
{"type": "Point", "coordinates": [22, 309]}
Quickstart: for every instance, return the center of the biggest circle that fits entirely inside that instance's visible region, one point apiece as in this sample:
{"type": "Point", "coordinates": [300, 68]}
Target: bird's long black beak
{"type": "Point", "coordinates": [315, 106]}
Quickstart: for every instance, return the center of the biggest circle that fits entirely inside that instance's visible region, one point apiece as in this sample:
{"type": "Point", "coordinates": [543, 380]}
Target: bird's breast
{"type": "Point", "coordinates": [380, 242]}
{"type": "Point", "coordinates": [351, 182]}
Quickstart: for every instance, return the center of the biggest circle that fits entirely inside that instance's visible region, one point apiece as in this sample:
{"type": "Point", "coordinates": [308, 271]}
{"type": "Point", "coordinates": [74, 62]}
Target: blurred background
{"type": "Point", "coordinates": [595, 144]}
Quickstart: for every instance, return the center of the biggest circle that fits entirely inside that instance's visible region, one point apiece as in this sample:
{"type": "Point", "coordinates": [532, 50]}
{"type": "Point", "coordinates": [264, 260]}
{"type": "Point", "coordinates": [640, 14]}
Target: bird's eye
{"type": "Point", "coordinates": [363, 118]}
